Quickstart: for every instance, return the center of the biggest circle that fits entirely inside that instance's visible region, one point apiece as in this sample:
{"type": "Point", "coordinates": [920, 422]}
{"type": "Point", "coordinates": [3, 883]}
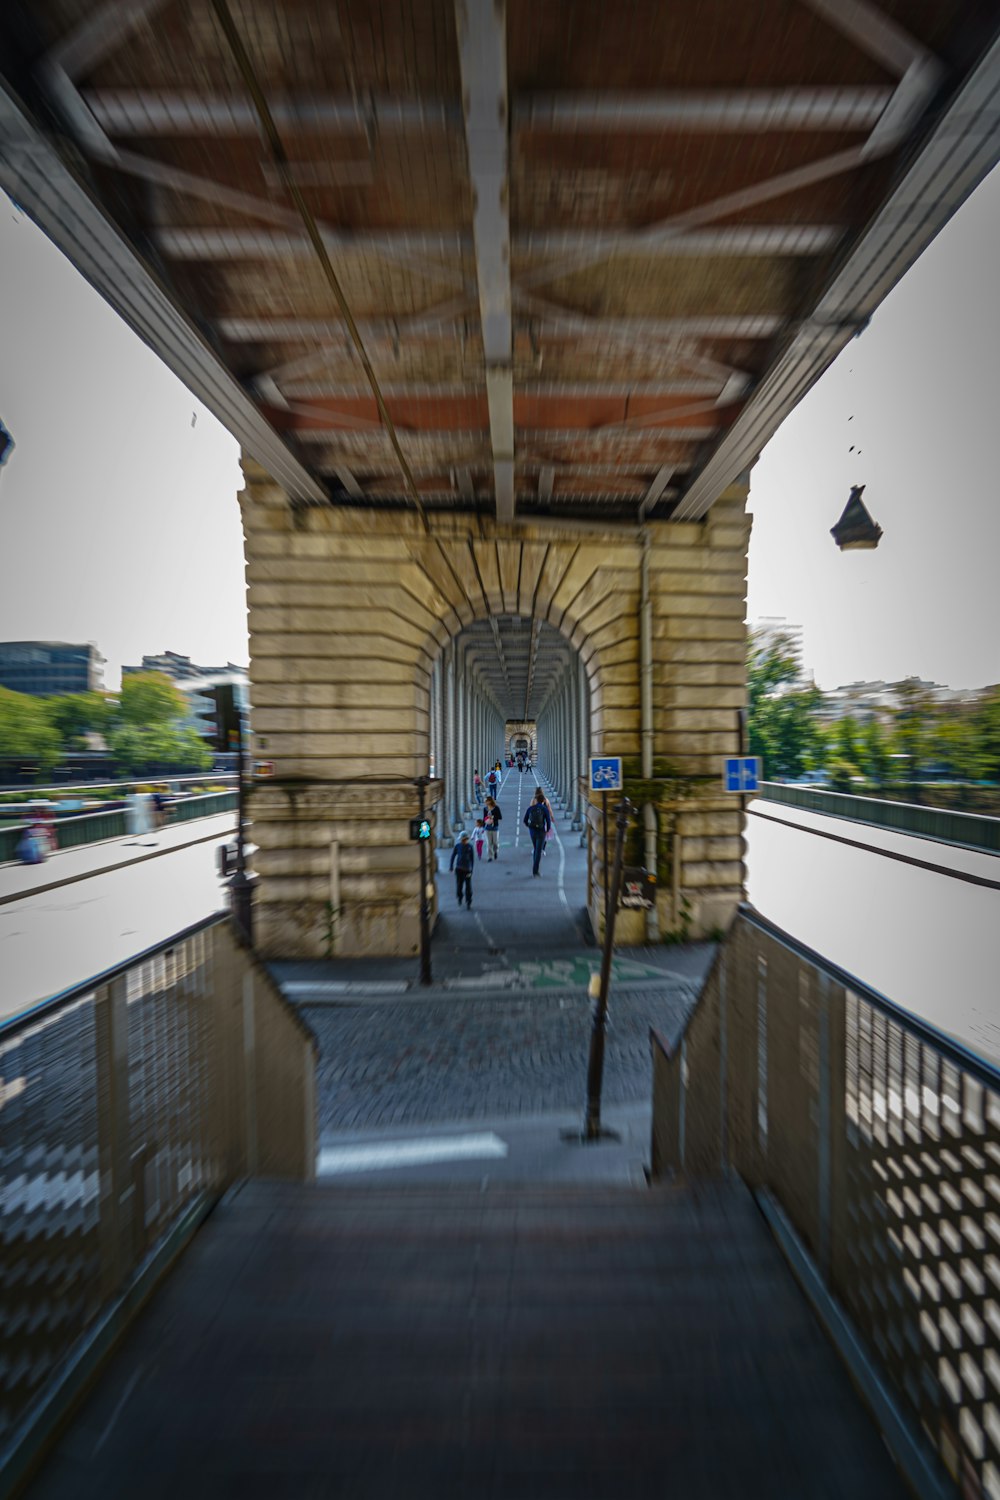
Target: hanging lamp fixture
{"type": "Point", "coordinates": [856, 530]}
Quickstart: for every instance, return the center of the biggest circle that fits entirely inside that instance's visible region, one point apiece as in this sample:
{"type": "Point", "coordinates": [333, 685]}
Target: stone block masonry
{"type": "Point", "coordinates": [350, 611]}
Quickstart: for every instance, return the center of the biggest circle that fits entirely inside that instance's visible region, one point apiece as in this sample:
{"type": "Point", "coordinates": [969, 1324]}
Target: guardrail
{"type": "Point", "coordinates": [970, 830]}
{"type": "Point", "coordinates": [129, 1104]}
{"type": "Point", "coordinates": [92, 827]}
{"type": "Point", "coordinates": [29, 794]}
{"type": "Point", "coordinates": [876, 1140]}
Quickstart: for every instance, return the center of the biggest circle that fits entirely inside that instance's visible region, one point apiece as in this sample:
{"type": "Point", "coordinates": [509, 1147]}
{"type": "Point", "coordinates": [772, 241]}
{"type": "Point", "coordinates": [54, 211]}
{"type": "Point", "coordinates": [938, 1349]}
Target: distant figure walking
{"type": "Point", "coordinates": [492, 819]}
{"type": "Point", "coordinates": [463, 860]}
{"type": "Point", "coordinates": [493, 783]}
{"type": "Point", "coordinates": [538, 822]}
{"type": "Point", "coordinates": [477, 787]}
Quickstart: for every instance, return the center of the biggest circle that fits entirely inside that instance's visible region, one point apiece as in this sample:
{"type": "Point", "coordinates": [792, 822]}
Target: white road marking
{"type": "Point", "coordinates": [489, 941]}
{"type": "Point", "coordinates": [383, 1156]}
{"type": "Point", "coordinates": [319, 989]}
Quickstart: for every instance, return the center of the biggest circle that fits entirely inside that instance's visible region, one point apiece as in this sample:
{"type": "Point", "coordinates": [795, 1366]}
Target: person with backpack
{"type": "Point", "coordinates": [492, 818]}
{"type": "Point", "coordinates": [463, 859]}
{"type": "Point", "coordinates": [538, 822]}
{"type": "Point", "coordinates": [492, 782]}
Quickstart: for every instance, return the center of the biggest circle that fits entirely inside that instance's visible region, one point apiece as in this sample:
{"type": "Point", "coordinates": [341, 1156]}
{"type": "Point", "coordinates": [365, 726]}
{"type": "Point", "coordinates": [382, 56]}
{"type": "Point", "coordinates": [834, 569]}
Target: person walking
{"type": "Point", "coordinates": [463, 859]}
{"type": "Point", "coordinates": [477, 787]}
{"type": "Point", "coordinates": [538, 822]}
{"type": "Point", "coordinates": [492, 783]}
{"type": "Point", "coordinates": [492, 819]}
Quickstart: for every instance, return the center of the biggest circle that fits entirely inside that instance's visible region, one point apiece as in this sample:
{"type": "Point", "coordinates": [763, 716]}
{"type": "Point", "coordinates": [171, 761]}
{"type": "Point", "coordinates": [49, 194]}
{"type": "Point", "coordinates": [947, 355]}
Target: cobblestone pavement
{"type": "Point", "coordinates": [422, 1061]}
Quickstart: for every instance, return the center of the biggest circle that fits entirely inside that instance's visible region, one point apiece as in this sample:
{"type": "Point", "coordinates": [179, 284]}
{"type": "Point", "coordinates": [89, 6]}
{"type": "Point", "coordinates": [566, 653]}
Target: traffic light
{"type": "Point", "coordinates": [223, 728]}
{"type": "Point", "coordinates": [420, 828]}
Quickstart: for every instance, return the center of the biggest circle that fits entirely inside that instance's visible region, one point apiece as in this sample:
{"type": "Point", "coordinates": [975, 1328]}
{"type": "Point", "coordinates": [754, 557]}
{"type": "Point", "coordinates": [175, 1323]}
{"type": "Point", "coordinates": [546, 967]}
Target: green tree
{"type": "Point", "coordinates": [784, 730]}
{"type": "Point", "coordinates": [75, 715]}
{"type": "Point", "coordinates": [149, 698]}
{"type": "Point", "coordinates": [912, 721]}
{"type": "Point", "coordinates": [845, 742]}
{"type": "Point", "coordinates": [986, 728]}
{"type": "Point", "coordinates": [873, 752]}
{"type": "Point", "coordinates": [135, 747]}
{"type": "Point", "coordinates": [145, 729]}
{"type": "Point", "coordinates": [26, 731]}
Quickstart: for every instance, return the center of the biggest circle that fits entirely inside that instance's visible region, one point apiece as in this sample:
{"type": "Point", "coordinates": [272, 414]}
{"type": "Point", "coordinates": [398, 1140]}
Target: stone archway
{"type": "Point", "coordinates": [349, 609]}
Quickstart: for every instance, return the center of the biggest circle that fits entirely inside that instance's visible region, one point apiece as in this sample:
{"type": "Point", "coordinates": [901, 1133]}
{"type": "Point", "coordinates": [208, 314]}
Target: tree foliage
{"type": "Point", "coordinates": [75, 715]}
{"type": "Point", "coordinates": [784, 730]}
{"type": "Point", "coordinates": [149, 698]}
{"type": "Point", "coordinates": [135, 747]}
{"type": "Point", "coordinates": [146, 728]}
{"type": "Point", "coordinates": [26, 730]}
{"type": "Point", "coordinates": [142, 727]}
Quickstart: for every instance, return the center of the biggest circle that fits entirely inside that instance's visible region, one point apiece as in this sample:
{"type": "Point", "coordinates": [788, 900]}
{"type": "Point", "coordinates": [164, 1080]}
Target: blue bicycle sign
{"type": "Point", "coordinates": [606, 773]}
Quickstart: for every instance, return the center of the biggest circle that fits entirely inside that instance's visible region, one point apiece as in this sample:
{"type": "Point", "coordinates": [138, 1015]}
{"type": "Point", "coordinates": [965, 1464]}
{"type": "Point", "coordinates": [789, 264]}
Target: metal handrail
{"type": "Point", "coordinates": [104, 786]}
{"type": "Point", "coordinates": [132, 1101]}
{"type": "Point", "coordinates": [978, 831]}
{"type": "Point", "coordinates": [10, 1025]}
{"type": "Point", "coordinates": [955, 1051]}
{"type": "Point", "coordinates": [921, 807]}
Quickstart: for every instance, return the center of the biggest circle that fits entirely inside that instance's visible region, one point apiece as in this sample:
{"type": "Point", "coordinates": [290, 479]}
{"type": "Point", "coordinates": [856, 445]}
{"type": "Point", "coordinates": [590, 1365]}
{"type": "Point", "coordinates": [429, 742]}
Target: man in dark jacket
{"type": "Point", "coordinates": [463, 858]}
{"type": "Point", "coordinates": [538, 823]}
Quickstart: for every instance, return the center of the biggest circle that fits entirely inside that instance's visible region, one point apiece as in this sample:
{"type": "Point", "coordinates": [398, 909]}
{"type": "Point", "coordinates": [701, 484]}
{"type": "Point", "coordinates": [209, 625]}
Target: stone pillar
{"type": "Point", "coordinates": [350, 612]}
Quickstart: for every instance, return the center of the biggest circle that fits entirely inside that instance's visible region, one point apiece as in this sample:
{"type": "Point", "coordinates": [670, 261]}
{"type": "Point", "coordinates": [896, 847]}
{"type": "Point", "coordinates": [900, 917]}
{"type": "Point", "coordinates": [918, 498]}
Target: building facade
{"type": "Point", "coordinates": [45, 668]}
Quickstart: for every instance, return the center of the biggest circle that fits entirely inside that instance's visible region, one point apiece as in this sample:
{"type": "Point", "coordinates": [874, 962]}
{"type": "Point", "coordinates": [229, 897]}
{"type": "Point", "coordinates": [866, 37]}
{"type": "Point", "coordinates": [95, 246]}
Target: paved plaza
{"type": "Point", "coordinates": [504, 1030]}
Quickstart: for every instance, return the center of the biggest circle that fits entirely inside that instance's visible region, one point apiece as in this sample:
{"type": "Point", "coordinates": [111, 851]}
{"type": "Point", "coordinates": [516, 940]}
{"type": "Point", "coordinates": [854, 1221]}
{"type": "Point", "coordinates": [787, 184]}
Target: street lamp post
{"type": "Point", "coordinates": [241, 886]}
{"type": "Point", "coordinates": [425, 916]}
{"type": "Point", "coordinates": [595, 1067]}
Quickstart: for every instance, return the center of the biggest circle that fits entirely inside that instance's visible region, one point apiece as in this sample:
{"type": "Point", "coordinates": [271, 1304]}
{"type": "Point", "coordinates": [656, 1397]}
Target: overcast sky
{"type": "Point", "coordinates": [119, 522]}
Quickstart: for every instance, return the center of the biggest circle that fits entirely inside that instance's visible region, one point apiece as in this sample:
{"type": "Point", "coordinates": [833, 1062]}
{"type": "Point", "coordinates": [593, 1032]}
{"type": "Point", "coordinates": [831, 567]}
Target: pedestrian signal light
{"type": "Point", "coordinates": [420, 828]}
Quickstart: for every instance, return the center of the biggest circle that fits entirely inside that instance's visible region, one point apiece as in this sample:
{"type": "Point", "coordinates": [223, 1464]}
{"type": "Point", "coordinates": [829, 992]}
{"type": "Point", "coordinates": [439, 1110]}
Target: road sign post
{"type": "Point", "coordinates": [420, 829]}
{"type": "Point", "coordinates": [605, 777]}
{"type": "Point", "coordinates": [595, 1068]}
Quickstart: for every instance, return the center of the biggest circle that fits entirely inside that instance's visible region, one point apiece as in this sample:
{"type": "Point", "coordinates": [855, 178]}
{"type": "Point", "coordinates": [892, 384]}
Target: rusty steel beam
{"type": "Point", "coordinates": [482, 32]}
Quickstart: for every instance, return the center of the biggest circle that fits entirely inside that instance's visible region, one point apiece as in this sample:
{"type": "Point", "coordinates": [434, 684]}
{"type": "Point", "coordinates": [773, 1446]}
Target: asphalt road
{"type": "Point", "coordinates": [59, 937]}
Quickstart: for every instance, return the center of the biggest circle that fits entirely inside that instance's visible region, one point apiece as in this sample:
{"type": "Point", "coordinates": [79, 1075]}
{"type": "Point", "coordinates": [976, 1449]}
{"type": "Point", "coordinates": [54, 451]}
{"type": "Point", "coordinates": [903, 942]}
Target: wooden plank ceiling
{"type": "Point", "coordinates": [574, 237]}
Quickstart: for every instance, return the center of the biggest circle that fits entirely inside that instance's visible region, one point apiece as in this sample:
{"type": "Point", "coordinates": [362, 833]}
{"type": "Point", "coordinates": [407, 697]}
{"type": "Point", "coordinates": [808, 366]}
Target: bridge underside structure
{"type": "Point", "coordinates": [502, 302]}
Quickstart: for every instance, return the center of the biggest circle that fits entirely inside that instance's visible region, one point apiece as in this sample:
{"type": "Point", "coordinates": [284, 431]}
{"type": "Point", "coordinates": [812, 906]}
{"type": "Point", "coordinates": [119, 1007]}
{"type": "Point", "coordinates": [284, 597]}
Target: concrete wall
{"type": "Point", "coordinates": [349, 612]}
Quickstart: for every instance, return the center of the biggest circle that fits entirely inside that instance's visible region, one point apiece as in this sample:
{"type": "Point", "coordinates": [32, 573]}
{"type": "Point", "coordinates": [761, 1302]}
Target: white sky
{"type": "Point", "coordinates": [921, 385]}
{"type": "Point", "coordinates": [119, 522]}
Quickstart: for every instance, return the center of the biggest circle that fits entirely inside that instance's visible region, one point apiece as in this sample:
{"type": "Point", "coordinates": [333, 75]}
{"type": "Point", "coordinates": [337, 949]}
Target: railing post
{"type": "Point", "coordinates": [250, 1071]}
{"type": "Point", "coordinates": [117, 1189]}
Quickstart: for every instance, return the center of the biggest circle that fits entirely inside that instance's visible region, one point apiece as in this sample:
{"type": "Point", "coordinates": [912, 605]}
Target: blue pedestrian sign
{"type": "Point", "coordinates": [741, 773]}
{"type": "Point", "coordinates": [606, 773]}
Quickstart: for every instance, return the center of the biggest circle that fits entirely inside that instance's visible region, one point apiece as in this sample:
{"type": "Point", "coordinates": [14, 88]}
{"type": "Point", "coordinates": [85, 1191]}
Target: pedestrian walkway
{"type": "Point", "coordinates": [590, 1342]}
{"type": "Point", "coordinates": [543, 915]}
{"type": "Point", "coordinates": [68, 865]}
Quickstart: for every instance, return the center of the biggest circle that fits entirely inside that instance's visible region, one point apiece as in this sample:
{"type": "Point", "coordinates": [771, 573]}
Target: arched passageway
{"type": "Point", "coordinates": [378, 652]}
{"type": "Point", "coordinates": [511, 670]}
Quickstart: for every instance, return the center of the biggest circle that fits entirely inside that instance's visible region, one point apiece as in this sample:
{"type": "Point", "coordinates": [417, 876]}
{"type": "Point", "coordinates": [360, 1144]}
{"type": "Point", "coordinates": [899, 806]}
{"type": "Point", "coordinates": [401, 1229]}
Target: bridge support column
{"type": "Point", "coordinates": [353, 616]}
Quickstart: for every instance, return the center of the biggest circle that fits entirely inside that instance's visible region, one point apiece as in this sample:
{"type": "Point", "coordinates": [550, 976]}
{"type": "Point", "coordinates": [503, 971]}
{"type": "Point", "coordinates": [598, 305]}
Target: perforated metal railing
{"type": "Point", "coordinates": [969, 830]}
{"type": "Point", "coordinates": [126, 1107]}
{"type": "Point", "coordinates": [879, 1138]}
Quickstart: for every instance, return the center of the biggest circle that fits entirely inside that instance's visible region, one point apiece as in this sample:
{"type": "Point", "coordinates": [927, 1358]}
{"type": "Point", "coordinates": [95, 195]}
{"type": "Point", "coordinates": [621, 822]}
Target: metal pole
{"type": "Point", "coordinates": [595, 1067]}
{"type": "Point", "coordinates": [604, 817]}
{"type": "Point", "coordinates": [425, 918]}
{"type": "Point", "coordinates": [241, 886]}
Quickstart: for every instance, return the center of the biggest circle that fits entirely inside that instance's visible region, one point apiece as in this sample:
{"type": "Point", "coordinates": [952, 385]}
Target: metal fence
{"type": "Point", "coordinates": [972, 830]}
{"type": "Point", "coordinates": [879, 1139]}
{"type": "Point", "coordinates": [92, 827]}
{"type": "Point", "coordinates": [127, 1106]}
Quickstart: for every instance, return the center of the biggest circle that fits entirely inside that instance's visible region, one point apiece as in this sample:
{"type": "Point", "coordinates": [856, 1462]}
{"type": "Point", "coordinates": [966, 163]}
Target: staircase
{"type": "Point", "coordinates": [534, 1342]}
